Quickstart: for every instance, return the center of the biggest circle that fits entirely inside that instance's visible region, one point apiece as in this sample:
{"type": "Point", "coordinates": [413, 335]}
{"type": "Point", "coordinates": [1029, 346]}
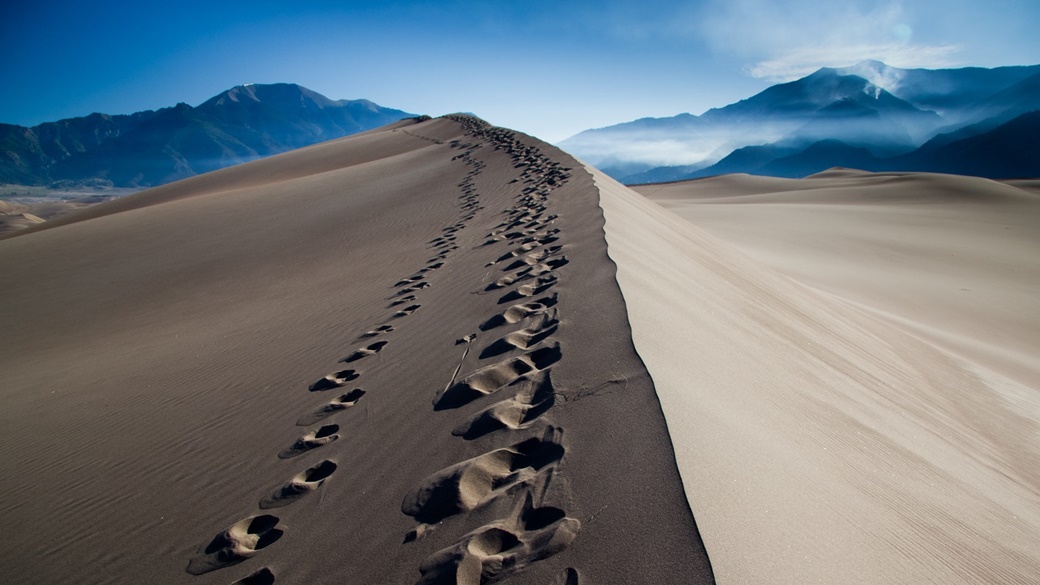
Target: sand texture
{"type": "Point", "coordinates": [841, 411]}
{"type": "Point", "coordinates": [443, 352]}
{"type": "Point", "coordinates": [398, 357]}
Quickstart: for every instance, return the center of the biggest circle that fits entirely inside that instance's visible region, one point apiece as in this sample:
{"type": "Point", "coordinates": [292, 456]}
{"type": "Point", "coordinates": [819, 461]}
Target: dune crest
{"type": "Point", "coordinates": [398, 357]}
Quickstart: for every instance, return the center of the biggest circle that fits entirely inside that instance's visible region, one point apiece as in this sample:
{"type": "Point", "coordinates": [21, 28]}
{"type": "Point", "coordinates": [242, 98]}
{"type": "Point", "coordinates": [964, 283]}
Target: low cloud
{"type": "Point", "coordinates": [784, 41]}
{"type": "Point", "coordinates": [802, 61]}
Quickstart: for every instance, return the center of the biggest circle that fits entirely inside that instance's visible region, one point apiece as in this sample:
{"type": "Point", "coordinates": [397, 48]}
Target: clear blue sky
{"type": "Point", "coordinates": [549, 68]}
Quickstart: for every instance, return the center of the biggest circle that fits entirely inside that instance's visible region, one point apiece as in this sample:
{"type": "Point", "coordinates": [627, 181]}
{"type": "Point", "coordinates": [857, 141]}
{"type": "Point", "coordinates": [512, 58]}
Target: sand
{"type": "Point", "coordinates": [442, 352]}
{"type": "Point", "coordinates": [826, 427]}
{"type": "Point", "coordinates": [398, 357]}
{"type": "Point", "coordinates": [952, 259]}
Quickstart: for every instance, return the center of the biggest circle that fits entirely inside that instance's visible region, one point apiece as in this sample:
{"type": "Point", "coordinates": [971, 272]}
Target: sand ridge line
{"type": "Point", "coordinates": [524, 471]}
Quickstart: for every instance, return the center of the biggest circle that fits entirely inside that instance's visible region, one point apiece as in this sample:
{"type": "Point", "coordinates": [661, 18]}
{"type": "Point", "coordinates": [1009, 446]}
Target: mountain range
{"type": "Point", "coordinates": [869, 116]}
{"type": "Point", "coordinates": [151, 148]}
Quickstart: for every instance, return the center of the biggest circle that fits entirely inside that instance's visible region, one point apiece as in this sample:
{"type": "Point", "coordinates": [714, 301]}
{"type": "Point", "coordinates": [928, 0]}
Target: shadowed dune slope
{"type": "Point", "coordinates": [399, 357]}
{"type": "Point", "coordinates": [823, 440]}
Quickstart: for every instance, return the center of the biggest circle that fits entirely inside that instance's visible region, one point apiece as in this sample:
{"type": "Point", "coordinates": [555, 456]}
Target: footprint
{"type": "Point", "coordinates": [540, 285]}
{"type": "Point", "coordinates": [503, 282]}
{"type": "Point", "coordinates": [544, 327]}
{"type": "Point", "coordinates": [264, 576]}
{"type": "Point", "coordinates": [236, 543]}
{"type": "Point", "coordinates": [334, 380]}
{"type": "Point", "coordinates": [312, 440]}
{"type": "Point", "coordinates": [466, 485]}
{"type": "Point", "coordinates": [520, 311]}
{"type": "Point", "coordinates": [376, 331]}
{"type": "Point", "coordinates": [300, 485]}
{"type": "Point", "coordinates": [490, 379]}
{"type": "Point", "coordinates": [500, 549]}
{"type": "Point", "coordinates": [548, 265]}
{"type": "Point", "coordinates": [533, 258]}
{"type": "Point", "coordinates": [569, 577]}
{"type": "Point", "coordinates": [406, 311]}
{"type": "Point", "coordinates": [534, 398]}
{"type": "Point", "coordinates": [403, 300]}
{"type": "Point", "coordinates": [409, 280]}
{"type": "Point", "coordinates": [365, 352]}
{"type": "Point", "coordinates": [532, 270]}
{"type": "Point", "coordinates": [344, 402]}
{"type": "Point", "coordinates": [414, 288]}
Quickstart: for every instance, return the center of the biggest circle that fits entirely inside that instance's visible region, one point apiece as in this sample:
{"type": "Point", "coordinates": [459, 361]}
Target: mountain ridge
{"type": "Point", "coordinates": [154, 147]}
{"type": "Point", "coordinates": [888, 111]}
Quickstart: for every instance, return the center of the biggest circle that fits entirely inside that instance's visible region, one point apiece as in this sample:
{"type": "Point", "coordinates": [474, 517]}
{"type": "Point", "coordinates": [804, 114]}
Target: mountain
{"type": "Point", "coordinates": [869, 111]}
{"type": "Point", "coordinates": [155, 147]}
{"type": "Point", "coordinates": [1011, 150]}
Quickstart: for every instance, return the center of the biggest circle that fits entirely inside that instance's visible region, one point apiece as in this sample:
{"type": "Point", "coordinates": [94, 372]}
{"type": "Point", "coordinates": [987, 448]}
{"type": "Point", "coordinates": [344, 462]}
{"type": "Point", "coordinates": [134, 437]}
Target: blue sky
{"type": "Point", "coordinates": [548, 68]}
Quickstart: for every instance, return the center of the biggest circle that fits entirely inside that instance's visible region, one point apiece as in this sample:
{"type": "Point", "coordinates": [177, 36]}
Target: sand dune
{"type": "Point", "coordinates": [443, 352]}
{"type": "Point", "coordinates": [841, 436]}
{"type": "Point", "coordinates": [952, 259]}
{"type": "Point", "coordinates": [399, 357]}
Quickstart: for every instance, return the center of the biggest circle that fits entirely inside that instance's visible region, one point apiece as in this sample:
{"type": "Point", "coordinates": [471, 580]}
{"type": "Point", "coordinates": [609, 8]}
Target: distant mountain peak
{"type": "Point", "coordinates": [877, 73]}
{"type": "Point", "coordinates": [154, 147]}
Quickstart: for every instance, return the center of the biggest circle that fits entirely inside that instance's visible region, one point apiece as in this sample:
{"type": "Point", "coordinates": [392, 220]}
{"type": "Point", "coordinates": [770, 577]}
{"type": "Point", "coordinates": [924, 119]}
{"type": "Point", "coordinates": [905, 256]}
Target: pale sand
{"type": "Point", "coordinates": [398, 357]}
{"type": "Point", "coordinates": [952, 259]}
{"type": "Point", "coordinates": [818, 441]}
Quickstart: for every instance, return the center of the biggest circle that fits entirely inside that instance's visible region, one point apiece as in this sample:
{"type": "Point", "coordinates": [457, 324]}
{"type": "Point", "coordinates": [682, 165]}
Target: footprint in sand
{"type": "Point", "coordinates": [540, 285]}
{"type": "Point", "coordinates": [403, 300]}
{"type": "Point", "coordinates": [406, 311]}
{"type": "Point", "coordinates": [519, 312]}
{"type": "Point", "coordinates": [497, 550]}
{"type": "Point", "coordinates": [344, 402]}
{"type": "Point", "coordinates": [300, 485]}
{"type": "Point", "coordinates": [236, 543]}
{"type": "Point", "coordinates": [409, 280]}
{"type": "Point", "coordinates": [334, 380]}
{"type": "Point", "coordinates": [569, 577]}
{"type": "Point", "coordinates": [414, 288]}
{"type": "Point", "coordinates": [263, 576]}
{"type": "Point", "coordinates": [312, 440]}
{"type": "Point", "coordinates": [491, 379]}
{"type": "Point", "coordinates": [542, 328]}
{"type": "Point", "coordinates": [532, 270]}
{"type": "Point", "coordinates": [365, 352]}
{"type": "Point", "coordinates": [533, 258]}
{"type": "Point", "coordinates": [534, 397]}
{"type": "Point", "coordinates": [377, 331]}
{"type": "Point", "coordinates": [471, 483]}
